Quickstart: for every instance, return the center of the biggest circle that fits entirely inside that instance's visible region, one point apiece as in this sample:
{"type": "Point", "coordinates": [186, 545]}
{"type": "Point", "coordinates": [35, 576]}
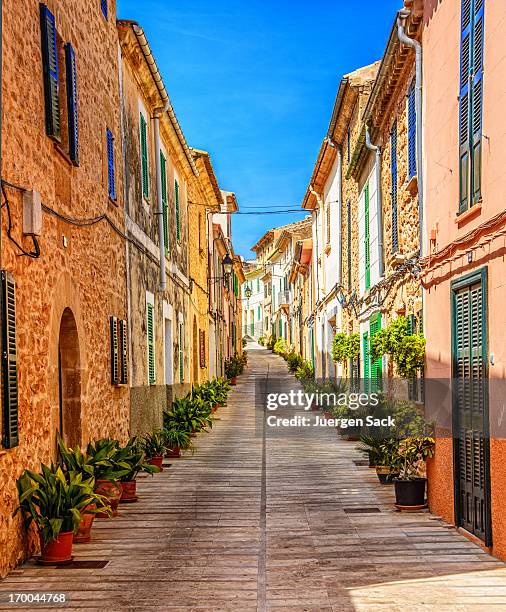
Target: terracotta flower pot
{"type": "Point", "coordinates": [83, 535]}
{"type": "Point", "coordinates": [158, 460]}
{"type": "Point", "coordinates": [173, 453]}
{"type": "Point", "coordinates": [233, 380]}
{"type": "Point", "coordinates": [57, 551]}
{"type": "Point", "coordinates": [112, 492]}
{"type": "Point", "coordinates": [129, 493]}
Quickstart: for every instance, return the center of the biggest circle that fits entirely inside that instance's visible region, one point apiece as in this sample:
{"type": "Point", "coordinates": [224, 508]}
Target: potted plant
{"type": "Point", "coordinates": [74, 460]}
{"type": "Point", "coordinates": [410, 484]}
{"type": "Point", "coordinates": [133, 455]}
{"type": "Point", "coordinates": [54, 501]}
{"type": "Point", "coordinates": [154, 447]}
{"type": "Point", "coordinates": [387, 460]}
{"type": "Point", "coordinates": [232, 370]}
{"type": "Point", "coordinates": [108, 468]}
{"type": "Point", "coordinates": [176, 441]}
{"type": "Point", "coordinates": [370, 446]}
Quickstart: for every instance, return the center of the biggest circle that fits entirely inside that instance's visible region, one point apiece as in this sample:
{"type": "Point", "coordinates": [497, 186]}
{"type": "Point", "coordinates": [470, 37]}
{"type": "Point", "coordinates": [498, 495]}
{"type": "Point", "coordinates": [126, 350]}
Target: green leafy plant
{"type": "Point", "coordinates": [407, 350]}
{"type": "Point", "coordinates": [412, 452]}
{"type": "Point", "coordinates": [271, 341]}
{"type": "Point", "coordinates": [154, 444]}
{"type": "Point", "coordinates": [294, 361]}
{"type": "Point", "coordinates": [233, 367]}
{"type": "Point", "coordinates": [345, 347]}
{"type": "Point", "coordinates": [175, 438]}
{"type": "Point", "coordinates": [53, 499]}
{"type": "Point", "coordinates": [261, 340]}
{"type": "Point", "coordinates": [133, 455]}
{"type": "Point", "coordinates": [280, 347]}
{"type": "Point", "coordinates": [103, 456]}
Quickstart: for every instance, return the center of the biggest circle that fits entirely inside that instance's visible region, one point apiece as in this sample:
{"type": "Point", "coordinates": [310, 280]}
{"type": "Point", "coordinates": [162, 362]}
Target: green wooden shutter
{"type": "Point", "coordinates": [377, 364]}
{"type": "Point", "coordinates": [366, 360]}
{"type": "Point", "coordinates": [178, 211]}
{"type": "Point", "coordinates": [367, 239]}
{"type": "Point", "coordinates": [123, 341]}
{"type": "Point", "coordinates": [144, 156]}
{"type": "Point", "coordinates": [50, 69]}
{"type": "Point", "coordinates": [151, 344]}
{"type": "Point", "coordinates": [113, 323]}
{"type": "Point", "coordinates": [163, 172]}
{"type": "Point", "coordinates": [72, 106]}
{"type": "Point", "coordinates": [9, 361]}
{"type": "Point", "coordinates": [181, 352]}
{"type": "Point", "coordinates": [477, 98]}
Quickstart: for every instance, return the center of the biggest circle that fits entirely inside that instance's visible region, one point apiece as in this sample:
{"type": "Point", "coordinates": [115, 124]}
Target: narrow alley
{"type": "Point", "coordinates": [252, 522]}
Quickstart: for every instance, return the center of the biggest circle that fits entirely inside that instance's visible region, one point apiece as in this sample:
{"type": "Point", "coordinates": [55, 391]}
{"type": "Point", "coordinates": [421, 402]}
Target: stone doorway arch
{"type": "Point", "coordinates": [69, 380]}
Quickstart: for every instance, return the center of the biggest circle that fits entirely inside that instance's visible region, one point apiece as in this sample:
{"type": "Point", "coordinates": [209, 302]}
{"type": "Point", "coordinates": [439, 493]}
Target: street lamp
{"type": "Point", "coordinates": [227, 265]}
{"type": "Point", "coordinates": [247, 293]}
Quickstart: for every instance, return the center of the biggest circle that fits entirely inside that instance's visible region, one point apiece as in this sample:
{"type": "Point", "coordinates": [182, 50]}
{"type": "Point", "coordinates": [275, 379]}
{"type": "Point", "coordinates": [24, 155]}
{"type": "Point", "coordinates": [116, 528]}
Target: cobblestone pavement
{"type": "Point", "coordinates": [255, 522]}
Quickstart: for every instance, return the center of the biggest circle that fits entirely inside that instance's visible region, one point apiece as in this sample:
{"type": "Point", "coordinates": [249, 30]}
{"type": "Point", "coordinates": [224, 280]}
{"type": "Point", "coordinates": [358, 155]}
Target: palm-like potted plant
{"type": "Point", "coordinates": [387, 460]}
{"type": "Point", "coordinates": [133, 455]}
{"type": "Point", "coordinates": [154, 447]}
{"type": "Point", "coordinates": [232, 369]}
{"type": "Point", "coordinates": [176, 441]}
{"type": "Point", "coordinates": [108, 468]}
{"type": "Point", "coordinates": [412, 453]}
{"type": "Point", "coordinates": [54, 500]}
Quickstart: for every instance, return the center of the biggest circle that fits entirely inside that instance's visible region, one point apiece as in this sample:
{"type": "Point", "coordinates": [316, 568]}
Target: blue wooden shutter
{"type": "Point", "coordinates": [144, 156]}
{"type": "Point", "coordinates": [348, 221]}
{"type": "Point", "coordinates": [163, 172]}
{"type": "Point", "coordinates": [465, 102]}
{"type": "Point", "coordinates": [178, 212]}
{"type": "Point", "coordinates": [103, 6]}
{"type": "Point", "coordinates": [111, 179]}
{"type": "Point", "coordinates": [393, 177]}
{"type": "Point", "coordinates": [123, 342]}
{"type": "Point", "coordinates": [477, 98]}
{"type": "Point", "coordinates": [114, 351]}
{"type": "Point", "coordinates": [9, 361]}
{"type": "Point", "coordinates": [72, 106]}
{"type": "Point", "coordinates": [411, 132]}
{"type": "Point", "coordinates": [151, 344]}
{"type": "Point", "coordinates": [50, 69]}
{"type": "Point", "coordinates": [367, 239]}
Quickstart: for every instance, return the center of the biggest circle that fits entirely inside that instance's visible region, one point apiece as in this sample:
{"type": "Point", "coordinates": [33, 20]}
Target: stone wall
{"type": "Point", "coordinates": [81, 270]}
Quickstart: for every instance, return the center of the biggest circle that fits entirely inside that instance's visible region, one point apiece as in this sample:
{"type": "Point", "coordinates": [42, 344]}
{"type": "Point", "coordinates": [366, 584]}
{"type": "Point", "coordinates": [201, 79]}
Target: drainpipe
{"type": "Point", "coordinates": [411, 42]}
{"type": "Point", "coordinates": [158, 164]}
{"type": "Point", "coordinates": [379, 216]}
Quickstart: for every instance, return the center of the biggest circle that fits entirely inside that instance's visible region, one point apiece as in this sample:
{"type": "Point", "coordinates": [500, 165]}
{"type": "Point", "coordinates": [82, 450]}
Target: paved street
{"type": "Point", "coordinates": [251, 522]}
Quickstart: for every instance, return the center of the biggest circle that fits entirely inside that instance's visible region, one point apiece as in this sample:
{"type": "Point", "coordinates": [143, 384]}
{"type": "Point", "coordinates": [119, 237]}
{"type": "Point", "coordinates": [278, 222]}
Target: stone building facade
{"type": "Point", "coordinates": [64, 260]}
{"type": "Point", "coordinates": [385, 169]}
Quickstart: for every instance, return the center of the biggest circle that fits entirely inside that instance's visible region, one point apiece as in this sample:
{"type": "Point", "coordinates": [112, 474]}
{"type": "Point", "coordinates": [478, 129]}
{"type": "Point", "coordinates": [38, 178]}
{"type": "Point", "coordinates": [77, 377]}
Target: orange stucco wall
{"type": "Point", "coordinates": [441, 45]}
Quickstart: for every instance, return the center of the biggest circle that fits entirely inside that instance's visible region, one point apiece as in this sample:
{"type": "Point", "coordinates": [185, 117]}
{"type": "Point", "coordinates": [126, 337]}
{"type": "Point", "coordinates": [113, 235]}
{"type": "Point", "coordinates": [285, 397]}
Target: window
{"type": "Point", "coordinates": [178, 212]}
{"type": "Point", "coordinates": [103, 6]}
{"type": "Point", "coordinates": [143, 129]}
{"type": "Point", "coordinates": [411, 132]}
{"type": "Point", "coordinates": [470, 102]}
{"type": "Point", "coordinates": [9, 360]}
{"type": "Point", "coordinates": [393, 177]}
{"type": "Point", "coordinates": [367, 239]}
{"type": "Point", "coordinates": [113, 322]}
{"type": "Point", "coordinates": [62, 123]}
{"type": "Point", "coordinates": [151, 340]}
{"type": "Point", "coordinates": [163, 172]}
{"type": "Point", "coordinates": [111, 179]}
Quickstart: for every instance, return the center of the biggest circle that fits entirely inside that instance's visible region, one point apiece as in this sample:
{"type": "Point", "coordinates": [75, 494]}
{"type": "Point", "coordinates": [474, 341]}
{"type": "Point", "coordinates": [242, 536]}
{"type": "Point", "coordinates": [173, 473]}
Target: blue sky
{"type": "Point", "coordinates": [254, 83]}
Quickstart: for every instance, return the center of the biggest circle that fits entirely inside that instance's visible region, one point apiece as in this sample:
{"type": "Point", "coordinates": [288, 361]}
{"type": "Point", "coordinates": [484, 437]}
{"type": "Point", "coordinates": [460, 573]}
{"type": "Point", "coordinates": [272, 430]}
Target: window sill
{"type": "Point", "coordinates": [63, 154]}
{"type": "Point", "coordinates": [411, 186]}
{"type": "Point", "coordinates": [463, 218]}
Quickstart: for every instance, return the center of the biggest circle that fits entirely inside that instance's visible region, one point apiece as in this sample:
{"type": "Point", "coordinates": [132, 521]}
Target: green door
{"type": "Point", "coordinates": [377, 364]}
{"type": "Point", "coordinates": [470, 405]}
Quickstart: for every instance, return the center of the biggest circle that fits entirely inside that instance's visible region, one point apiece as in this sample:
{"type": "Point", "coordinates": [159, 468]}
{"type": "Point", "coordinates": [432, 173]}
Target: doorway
{"type": "Point", "coordinates": [69, 381]}
{"type": "Point", "coordinates": [470, 405]}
